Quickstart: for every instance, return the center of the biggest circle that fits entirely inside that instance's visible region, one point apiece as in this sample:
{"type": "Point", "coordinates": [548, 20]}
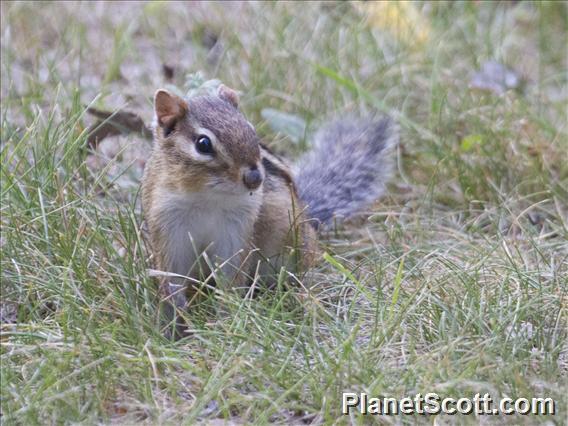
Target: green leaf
{"type": "Point", "coordinates": [397, 284]}
{"type": "Point", "coordinates": [291, 125]}
{"type": "Point", "coordinates": [470, 141]}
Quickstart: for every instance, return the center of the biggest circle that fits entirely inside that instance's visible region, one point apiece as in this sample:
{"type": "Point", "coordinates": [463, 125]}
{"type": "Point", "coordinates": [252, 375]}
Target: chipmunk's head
{"type": "Point", "coordinates": [211, 144]}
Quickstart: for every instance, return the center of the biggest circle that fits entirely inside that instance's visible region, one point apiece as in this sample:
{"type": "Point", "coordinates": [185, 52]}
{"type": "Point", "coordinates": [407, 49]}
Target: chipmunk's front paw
{"type": "Point", "coordinates": [173, 306]}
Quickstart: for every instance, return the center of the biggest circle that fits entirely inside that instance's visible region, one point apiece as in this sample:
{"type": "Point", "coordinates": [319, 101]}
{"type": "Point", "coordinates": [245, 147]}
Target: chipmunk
{"type": "Point", "coordinates": [218, 202]}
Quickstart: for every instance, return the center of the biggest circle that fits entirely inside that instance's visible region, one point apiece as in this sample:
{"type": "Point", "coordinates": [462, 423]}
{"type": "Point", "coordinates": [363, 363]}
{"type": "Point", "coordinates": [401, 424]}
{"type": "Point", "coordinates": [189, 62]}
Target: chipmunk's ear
{"type": "Point", "coordinates": [229, 95]}
{"type": "Point", "coordinates": [169, 108]}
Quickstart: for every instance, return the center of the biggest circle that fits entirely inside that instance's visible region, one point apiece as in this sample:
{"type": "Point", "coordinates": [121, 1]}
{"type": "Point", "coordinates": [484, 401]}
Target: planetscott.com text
{"type": "Point", "coordinates": [432, 403]}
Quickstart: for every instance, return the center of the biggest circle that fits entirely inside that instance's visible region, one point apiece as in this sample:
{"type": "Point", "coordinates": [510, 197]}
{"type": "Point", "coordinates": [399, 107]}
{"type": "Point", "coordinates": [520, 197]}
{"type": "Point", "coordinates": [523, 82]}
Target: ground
{"type": "Point", "coordinates": [455, 282]}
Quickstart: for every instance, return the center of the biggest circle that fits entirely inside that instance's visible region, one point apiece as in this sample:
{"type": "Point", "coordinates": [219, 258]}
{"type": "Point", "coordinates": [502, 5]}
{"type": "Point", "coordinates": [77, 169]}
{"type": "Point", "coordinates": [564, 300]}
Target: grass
{"type": "Point", "coordinates": [456, 284]}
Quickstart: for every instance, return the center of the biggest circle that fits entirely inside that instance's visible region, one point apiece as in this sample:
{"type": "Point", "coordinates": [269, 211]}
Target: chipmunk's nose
{"type": "Point", "coordinates": [252, 178]}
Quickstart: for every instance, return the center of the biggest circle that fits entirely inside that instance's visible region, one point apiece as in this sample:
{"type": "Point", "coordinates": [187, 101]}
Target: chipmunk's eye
{"type": "Point", "coordinates": [204, 145]}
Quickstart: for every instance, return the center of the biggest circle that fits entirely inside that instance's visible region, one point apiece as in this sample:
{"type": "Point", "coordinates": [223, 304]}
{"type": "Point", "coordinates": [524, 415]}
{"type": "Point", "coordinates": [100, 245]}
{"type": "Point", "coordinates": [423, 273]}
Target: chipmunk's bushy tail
{"type": "Point", "coordinates": [347, 168]}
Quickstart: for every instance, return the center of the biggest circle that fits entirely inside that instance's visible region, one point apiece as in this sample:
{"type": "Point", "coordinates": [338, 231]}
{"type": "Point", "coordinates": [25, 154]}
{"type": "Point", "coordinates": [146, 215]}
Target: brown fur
{"type": "Point", "coordinates": [282, 225]}
{"type": "Point", "coordinates": [279, 236]}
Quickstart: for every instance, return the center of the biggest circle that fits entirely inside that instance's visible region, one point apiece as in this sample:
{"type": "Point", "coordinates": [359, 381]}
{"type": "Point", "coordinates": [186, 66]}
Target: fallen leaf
{"type": "Point", "coordinates": [114, 123]}
{"type": "Point", "coordinates": [168, 71]}
{"type": "Point", "coordinates": [8, 313]}
{"type": "Point", "coordinates": [209, 38]}
{"type": "Point", "coordinates": [401, 19]}
{"type": "Point", "coordinates": [494, 77]}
